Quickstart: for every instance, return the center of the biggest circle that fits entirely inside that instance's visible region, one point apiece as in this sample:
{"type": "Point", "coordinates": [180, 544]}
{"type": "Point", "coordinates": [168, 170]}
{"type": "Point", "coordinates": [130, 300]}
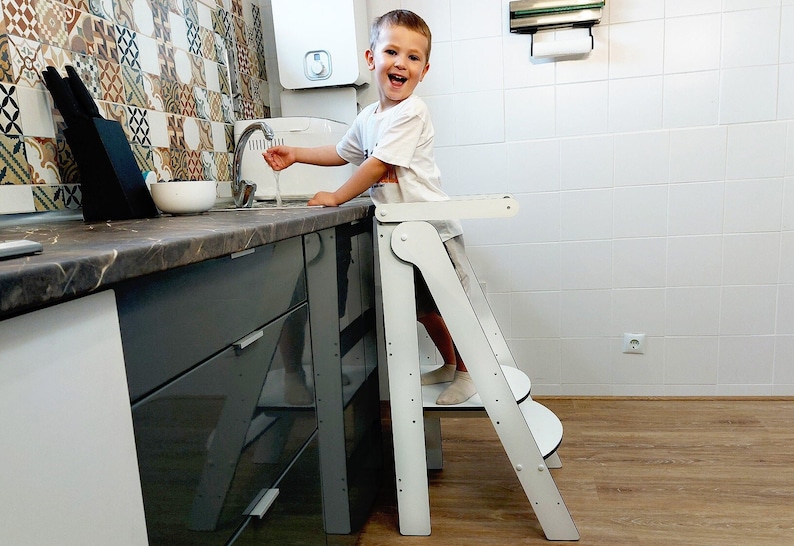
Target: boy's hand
{"type": "Point", "coordinates": [323, 198]}
{"type": "Point", "coordinates": [279, 157]}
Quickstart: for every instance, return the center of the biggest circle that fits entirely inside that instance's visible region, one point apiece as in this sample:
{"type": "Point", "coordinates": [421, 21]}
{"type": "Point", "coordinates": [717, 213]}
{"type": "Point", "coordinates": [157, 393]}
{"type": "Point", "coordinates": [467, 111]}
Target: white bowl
{"type": "Point", "coordinates": [184, 197]}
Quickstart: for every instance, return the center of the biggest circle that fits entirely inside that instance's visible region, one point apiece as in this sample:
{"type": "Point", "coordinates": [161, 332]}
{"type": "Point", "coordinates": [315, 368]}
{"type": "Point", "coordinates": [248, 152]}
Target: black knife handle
{"type": "Point", "coordinates": [81, 93]}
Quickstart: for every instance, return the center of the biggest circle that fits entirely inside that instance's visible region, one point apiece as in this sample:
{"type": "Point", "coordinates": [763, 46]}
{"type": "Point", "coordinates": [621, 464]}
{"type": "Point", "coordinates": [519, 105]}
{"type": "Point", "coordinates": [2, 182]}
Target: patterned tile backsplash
{"type": "Point", "coordinates": [175, 74]}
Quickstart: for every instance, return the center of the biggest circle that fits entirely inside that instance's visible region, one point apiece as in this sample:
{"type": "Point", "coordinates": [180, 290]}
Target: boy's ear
{"type": "Point", "coordinates": [370, 57]}
{"type": "Point", "coordinates": [427, 67]}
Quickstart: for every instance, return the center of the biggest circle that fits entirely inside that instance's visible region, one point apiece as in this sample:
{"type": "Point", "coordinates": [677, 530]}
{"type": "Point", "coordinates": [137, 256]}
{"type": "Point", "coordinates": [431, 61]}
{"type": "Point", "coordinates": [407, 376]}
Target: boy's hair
{"type": "Point", "coordinates": [400, 18]}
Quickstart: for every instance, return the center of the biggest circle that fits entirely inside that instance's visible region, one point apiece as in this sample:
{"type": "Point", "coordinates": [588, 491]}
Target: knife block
{"type": "Point", "coordinates": [112, 184]}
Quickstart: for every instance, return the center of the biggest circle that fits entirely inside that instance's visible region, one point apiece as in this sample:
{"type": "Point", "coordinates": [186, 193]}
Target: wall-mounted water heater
{"type": "Point", "coordinates": [321, 43]}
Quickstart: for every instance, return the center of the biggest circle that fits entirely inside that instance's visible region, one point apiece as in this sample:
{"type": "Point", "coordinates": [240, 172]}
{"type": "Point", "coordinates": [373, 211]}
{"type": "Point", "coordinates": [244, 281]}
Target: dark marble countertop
{"type": "Point", "coordinates": [80, 258]}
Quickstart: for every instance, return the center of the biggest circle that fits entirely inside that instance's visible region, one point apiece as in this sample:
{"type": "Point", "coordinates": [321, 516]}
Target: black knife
{"type": "Point", "coordinates": [81, 93]}
{"type": "Point", "coordinates": [62, 95]}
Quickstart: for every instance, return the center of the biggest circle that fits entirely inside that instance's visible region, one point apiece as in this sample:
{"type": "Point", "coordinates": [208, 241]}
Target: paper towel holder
{"type": "Point", "coordinates": [531, 16]}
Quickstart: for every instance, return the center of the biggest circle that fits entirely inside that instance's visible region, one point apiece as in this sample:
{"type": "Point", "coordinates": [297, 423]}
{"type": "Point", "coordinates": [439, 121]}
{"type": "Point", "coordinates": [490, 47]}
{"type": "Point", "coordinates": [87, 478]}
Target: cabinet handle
{"type": "Point", "coordinates": [262, 503]}
{"type": "Point", "coordinates": [248, 340]}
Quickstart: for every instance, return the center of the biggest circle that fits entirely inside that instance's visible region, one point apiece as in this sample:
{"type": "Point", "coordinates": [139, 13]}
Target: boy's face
{"type": "Point", "coordinates": [399, 61]}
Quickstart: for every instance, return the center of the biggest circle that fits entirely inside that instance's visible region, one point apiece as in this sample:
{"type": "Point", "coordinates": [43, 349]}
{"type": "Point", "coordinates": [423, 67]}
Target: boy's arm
{"type": "Point", "coordinates": [281, 157]}
{"type": "Point", "coordinates": [365, 176]}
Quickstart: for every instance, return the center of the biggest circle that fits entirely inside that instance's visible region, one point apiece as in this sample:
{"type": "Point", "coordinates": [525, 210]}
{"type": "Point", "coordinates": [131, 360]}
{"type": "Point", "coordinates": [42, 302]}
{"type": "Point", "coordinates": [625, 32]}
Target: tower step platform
{"type": "Point", "coordinates": [545, 426]}
{"type": "Point", "coordinates": [529, 432]}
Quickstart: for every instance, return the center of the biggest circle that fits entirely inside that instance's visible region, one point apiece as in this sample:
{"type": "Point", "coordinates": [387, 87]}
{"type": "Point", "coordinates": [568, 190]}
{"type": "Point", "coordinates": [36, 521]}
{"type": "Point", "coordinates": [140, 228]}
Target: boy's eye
{"type": "Point", "coordinates": [414, 57]}
{"type": "Point", "coordinates": [391, 52]}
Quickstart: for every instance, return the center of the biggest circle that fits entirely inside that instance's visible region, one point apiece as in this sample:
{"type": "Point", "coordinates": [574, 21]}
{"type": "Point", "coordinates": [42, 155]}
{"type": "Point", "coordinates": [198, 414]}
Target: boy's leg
{"type": "Point", "coordinates": [437, 330]}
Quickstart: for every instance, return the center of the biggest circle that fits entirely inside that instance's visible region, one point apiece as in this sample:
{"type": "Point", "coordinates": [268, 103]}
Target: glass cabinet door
{"type": "Point", "coordinates": [210, 441]}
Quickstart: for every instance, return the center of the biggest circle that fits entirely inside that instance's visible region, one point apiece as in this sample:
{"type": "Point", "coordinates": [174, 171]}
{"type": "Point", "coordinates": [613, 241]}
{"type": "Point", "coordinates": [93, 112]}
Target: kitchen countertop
{"type": "Point", "coordinates": [80, 258]}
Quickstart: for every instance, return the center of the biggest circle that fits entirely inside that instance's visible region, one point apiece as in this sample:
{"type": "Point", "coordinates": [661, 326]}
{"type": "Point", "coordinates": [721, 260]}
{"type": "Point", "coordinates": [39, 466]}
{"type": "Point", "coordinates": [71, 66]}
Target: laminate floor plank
{"type": "Point", "coordinates": [635, 472]}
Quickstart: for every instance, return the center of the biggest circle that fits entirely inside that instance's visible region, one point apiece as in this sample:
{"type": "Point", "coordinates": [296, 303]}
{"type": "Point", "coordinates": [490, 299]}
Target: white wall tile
{"type": "Point", "coordinates": [586, 265]}
{"type": "Point", "coordinates": [748, 310]}
{"type": "Point", "coordinates": [787, 257]}
{"type": "Point", "coordinates": [587, 163]}
{"type": "Point", "coordinates": [635, 104]}
{"type": "Point", "coordinates": [440, 79]}
{"type": "Point", "coordinates": [641, 158]}
{"type": "Point", "coordinates": [148, 55]}
{"type": "Point", "coordinates": [681, 8]}
{"type": "Point", "coordinates": [751, 258]}
{"type": "Point", "coordinates": [437, 14]}
{"type": "Point", "coordinates": [517, 65]}
{"type": "Point", "coordinates": [694, 261]}
{"type": "Point", "coordinates": [533, 166]}
{"type": "Point", "coordinates": [697, 155]}
{"type": "Point", "coordinates": [535, 267]}
{"type": "Point", "coordinates": [787, 34]}
{"type": "Point", "coordinates": [481, 169]}
{"type": "Point", "coordinates": [753, 205]}
{"type": "Point", "coordinates": [693, 311]}
{"type": "Point", "coordinates": [639, 263]}
{"type": "Point", "coordinates": [539, 359]}
{"type": "Point", "coordinates": [443, 114]}
{"type": "Point", "coordinates": [750, 37]}
{"type": "Point", "coordinates": [476, 19]}
{"type": "Point", "coordinates": [538, 220]}
{"type": "Point", "coordinates": [16, 198]}
{"type": "Point", "coordinates": [785, 93]}
{"type": "Point", "coordinates": [636, 49]}
{"type": "Point", "coordinates": [35, 112]}
{"type": "Point", "coordinates": [535, 314]}
{"type": "Point", "coordinates": [746, 360]}
{"type": "Point", "coordinates": [784, 360]}
{"type": "Point", "coordinates": [529, 113]}
{"type": "Point", "coordinates": [638, 310]}
{"type": "Point", "coordinates": [586, 361]}
{"type": "Point", "coordinates": [734, 5]}
{"type": "Point", "coordinates": [756, 150]}
{"type": "Point", "coordinates": [785, 309]}
{"type": "Point", "coordinates": [479, 118]}
{"type": "Point", "coordinates": [696, 208]}
{"type": "Point", "coordinates": [585, 313]}
{"type": "Point", "coordinates": [581, 108]}
{"type": "Point", "coordinates": [748, 94]}
{"type": "Point", "coordinates": [586, 214]}
{"type": "Point", "coordinates": [640, 211]}
{"type": "Point", "coordinates": [692, 43]}
{"type": "Point", "coordinates": [621, 11]}
{"type": "Point", "coordinates": [475, 65]}
{"type": "Point", "coordinates": [488, 263]}
{"type": "Point", "coordinates": [788, 204]}
{"type": "Point", "coordinates": [691, 360]}
{"type": "Point", "coordinates": [158, 130]}
{"type": "Point", "coordinates": [790, 150]}
{"type": "Point", "coordinates": [691, 99]}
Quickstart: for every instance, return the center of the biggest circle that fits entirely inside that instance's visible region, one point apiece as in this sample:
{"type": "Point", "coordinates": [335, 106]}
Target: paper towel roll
{"type": "Point", "coordinates": [562, 48]}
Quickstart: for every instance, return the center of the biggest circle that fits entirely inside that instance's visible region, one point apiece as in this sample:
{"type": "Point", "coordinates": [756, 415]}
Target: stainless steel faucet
{"type": "Point", "coordinates": [243, 190]}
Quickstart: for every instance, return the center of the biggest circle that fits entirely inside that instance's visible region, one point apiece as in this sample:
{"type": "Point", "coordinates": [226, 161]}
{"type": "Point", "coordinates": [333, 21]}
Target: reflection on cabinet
{"type": "Point", "coordinates": [219, 365]}
{"type": "Point", "coordinates": [339, 272]}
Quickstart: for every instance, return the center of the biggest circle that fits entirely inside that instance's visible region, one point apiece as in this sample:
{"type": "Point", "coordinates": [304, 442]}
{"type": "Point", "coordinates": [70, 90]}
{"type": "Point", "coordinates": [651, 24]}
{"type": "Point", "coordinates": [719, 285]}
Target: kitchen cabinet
{"type": "Point", "coordinates": [68, 466]}
{"type": "Point", "coordinates": [220, 371]}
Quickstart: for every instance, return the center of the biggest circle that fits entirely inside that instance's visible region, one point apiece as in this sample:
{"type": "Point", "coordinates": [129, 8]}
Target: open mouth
{"type": "Point", "coordinates": [397, 79]}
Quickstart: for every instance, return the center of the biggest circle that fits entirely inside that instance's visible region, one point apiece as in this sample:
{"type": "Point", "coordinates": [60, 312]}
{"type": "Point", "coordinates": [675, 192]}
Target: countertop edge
{"type": "Point", "coordinates": [80, 259]}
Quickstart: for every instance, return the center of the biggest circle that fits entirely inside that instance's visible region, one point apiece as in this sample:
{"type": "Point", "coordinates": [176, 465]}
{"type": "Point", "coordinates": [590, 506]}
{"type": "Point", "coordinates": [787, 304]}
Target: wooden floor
{"type": "Point", "coordinates": [636, 472]}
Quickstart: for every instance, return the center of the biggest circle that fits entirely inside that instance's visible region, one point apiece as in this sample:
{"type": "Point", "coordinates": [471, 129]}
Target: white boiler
{"type": "Point", "coordinates": [321, 43]}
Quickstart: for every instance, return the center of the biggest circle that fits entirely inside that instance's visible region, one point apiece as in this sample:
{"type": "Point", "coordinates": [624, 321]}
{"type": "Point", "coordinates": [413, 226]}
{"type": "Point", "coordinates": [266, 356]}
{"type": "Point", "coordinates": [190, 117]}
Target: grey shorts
{"type": "Point", "coordinates": [456, 250]}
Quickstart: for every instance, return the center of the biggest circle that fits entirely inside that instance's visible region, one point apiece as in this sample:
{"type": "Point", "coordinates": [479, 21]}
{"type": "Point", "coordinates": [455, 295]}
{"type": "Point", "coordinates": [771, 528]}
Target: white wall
{"type": "Point", "coordinates": [656, 179]}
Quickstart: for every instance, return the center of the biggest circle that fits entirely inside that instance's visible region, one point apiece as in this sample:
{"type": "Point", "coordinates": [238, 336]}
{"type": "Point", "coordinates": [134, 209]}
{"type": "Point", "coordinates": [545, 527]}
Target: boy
{"type": "Point", "coordinates": [391, 141]}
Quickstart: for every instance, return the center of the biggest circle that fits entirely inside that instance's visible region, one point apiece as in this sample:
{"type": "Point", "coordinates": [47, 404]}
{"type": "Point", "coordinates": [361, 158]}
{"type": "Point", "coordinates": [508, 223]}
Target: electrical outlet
{"type": "Point", "coordinates": [634, 343]}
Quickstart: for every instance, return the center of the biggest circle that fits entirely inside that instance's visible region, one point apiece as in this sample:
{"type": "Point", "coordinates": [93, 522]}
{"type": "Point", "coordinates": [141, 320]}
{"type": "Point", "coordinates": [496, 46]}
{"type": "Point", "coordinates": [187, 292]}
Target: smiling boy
{"type": "Point", "coordinates": [391, 141]}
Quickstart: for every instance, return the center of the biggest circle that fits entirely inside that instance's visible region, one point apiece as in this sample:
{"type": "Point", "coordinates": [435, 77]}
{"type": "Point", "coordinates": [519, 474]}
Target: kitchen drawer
{"type": "Point", "coordinates": [296, 516]}
{"type": "Point", "coordinates": [209, 442]}
{"type": "Point", "coordinates": [173, 320]}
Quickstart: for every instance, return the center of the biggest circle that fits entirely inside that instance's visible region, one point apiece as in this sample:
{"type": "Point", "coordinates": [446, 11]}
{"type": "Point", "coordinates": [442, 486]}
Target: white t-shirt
{"type": "Point", "coordinates": [402, 136]}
